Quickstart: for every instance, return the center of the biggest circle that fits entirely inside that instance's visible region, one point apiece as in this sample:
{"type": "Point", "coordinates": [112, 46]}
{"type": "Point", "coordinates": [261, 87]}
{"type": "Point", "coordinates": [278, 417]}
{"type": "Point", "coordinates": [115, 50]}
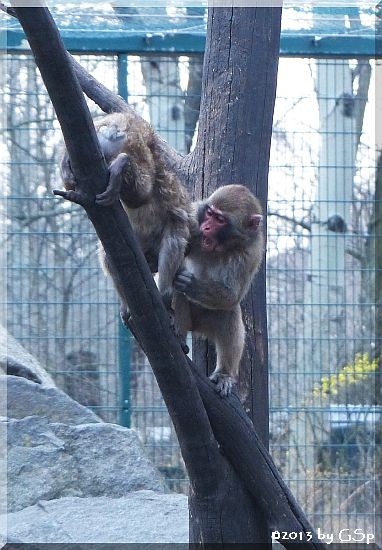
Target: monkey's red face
{"type": "Point", "coordinates": [211, 228]}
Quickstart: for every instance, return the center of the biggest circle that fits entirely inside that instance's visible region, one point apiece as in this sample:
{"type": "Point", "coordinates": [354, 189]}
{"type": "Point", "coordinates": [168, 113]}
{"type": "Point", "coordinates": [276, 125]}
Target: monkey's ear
{"type": "Point", "coordinates": [255, 221]}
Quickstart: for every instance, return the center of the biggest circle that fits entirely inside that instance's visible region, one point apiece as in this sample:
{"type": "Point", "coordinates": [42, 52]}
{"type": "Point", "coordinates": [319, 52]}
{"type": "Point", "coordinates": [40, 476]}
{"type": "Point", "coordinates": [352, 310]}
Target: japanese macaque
{"type": "Point", "coordinates": [225, 252]}
{"type": "Point", "coordinates": [154, 199]}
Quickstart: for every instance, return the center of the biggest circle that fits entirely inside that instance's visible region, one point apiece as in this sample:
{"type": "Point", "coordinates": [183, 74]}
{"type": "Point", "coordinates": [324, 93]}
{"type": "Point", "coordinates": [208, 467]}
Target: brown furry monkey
{"type": "Point", "coordinates": [154, 199]}
{"type": "Point", "coordinates": [225, 252]}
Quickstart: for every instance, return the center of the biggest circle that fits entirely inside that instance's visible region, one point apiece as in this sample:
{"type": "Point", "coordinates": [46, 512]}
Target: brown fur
{"type": "Point", "coordinates": [212, 283]}
{"type": "Point", "coordinates": [153, 197]}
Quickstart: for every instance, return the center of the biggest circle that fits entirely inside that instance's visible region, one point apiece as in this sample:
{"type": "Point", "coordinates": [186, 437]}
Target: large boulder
{"type": "Point", "coordinates": [25, 398]}
{"type": "Point", "coordinates": [73, 478]}
{"type": "Point", "coordinates": [48, 460]}
{"type": "Point", "coordinates": [138, 517]}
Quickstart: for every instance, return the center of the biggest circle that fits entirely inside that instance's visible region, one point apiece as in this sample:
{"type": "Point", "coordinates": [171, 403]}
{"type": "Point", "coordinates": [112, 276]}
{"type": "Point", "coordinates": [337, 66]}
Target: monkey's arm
{"type": "Point", "coordinates": [209, 294]}
{"type": "Point", "coordinates": [126, 184]}
{"type": "Point", "coordinates": [131, 186]}
{"type": "Point", "coordinates": [133, 169]}
{"type": "Point", "coordinates": [171, 253]}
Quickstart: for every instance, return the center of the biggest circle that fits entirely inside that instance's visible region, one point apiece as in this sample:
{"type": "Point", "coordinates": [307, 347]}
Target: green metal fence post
{"type": "Point", "coordinates": [124, 336]}
{"type": "Point", "coordinates": [122, 73]}
{"type": "Point", "coordinates": [124, 359]}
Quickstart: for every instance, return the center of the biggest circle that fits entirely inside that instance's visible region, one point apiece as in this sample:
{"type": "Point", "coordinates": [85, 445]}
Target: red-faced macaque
{"type": "Point", "coordinates": [225, 252]}
{"type": "Point", "coordinates": [153, 197]}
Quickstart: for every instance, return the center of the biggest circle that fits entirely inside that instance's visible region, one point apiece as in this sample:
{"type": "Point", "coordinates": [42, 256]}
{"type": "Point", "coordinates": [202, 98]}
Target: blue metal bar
{"type": "Point", "coordinates": [330, 46]}
{"type": "Point", "coordinates": [118, 41]}
{"type": "Point", "coordinates": [108, 42]}
{"type": "Point", "coordinates": [124, 360]}
{"type": "Point", "coordinates": [124, 339]}
{"type": "Point", "coordinates": [122, 72]}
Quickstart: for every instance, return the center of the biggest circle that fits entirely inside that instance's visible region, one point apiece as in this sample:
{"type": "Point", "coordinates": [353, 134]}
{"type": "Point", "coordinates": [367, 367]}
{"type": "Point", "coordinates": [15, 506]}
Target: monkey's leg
{"type": "Point", "coordinates": [170, 258]}
{"type": "Point", "coordinates": [113, 189]}
{"type": "Point", "coordinates": [229, 337]}
{"type": "Point", "coordinates": [182, 319]}
{"type": "Point", "coordinates": [171, 254]}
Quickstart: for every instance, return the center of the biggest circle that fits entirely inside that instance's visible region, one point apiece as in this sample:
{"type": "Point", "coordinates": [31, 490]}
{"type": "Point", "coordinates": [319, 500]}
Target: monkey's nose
{"type": "Point", "coordinates": [205, 227]}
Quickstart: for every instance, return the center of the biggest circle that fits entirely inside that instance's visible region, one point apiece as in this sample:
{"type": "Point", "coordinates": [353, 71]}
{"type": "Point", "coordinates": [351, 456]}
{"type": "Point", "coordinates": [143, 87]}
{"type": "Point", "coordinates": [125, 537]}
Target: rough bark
{"type": "Point", "coordinates": [235, 127]}
{"type": "Point", "coordinates": [217, 515]}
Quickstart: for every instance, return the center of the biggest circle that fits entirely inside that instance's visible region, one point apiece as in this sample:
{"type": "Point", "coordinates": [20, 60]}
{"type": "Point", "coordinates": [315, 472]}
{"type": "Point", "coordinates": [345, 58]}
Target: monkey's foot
{"type": "Point", "coordinates": [224, 383]}
{"type": "Point", "coordinates": [110, 133]}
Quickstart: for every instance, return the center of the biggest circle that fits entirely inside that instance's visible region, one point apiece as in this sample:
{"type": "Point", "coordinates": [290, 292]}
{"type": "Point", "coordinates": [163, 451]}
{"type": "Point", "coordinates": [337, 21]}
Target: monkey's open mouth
{"type": "Point", "coordinates": [208, 244]}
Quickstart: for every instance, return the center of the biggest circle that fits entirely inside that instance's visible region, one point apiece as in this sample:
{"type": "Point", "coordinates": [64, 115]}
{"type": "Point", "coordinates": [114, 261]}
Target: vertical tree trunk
{"type": "Point", "coordinates": [324, 294]}
{"type": "Point", "coordinates": [235, 127]}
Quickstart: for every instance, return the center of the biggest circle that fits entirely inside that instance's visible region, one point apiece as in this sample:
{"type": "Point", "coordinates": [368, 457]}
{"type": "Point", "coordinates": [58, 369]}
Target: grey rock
{"type": "Point", "coordinates": [52, 460]}
{"type": "Point", "coordinates": [13, 353]}
{"type": "Point", "coordinates": [25, 398]}
{"type": "Point", "coordinates": [139, 517]}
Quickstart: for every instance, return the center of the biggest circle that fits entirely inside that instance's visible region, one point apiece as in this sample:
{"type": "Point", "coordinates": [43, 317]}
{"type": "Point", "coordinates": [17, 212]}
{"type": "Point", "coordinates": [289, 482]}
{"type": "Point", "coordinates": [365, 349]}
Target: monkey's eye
{"type": "Point", "coordinates": [219, 218]}
{"type": "Point", "coordinates": [212, 213]}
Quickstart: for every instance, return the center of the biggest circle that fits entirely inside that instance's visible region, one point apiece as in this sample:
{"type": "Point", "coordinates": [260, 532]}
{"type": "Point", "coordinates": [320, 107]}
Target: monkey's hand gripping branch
{"type": "Point", "coordinates": [113, 189]}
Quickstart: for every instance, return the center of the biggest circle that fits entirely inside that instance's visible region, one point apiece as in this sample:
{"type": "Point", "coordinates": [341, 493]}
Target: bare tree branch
{"type": "Point", "coordinates": [301, 223]}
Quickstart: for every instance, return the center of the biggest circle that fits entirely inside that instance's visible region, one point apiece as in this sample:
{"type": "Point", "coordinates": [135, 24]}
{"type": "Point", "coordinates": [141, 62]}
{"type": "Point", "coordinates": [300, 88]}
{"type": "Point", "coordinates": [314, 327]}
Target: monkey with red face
{"type": "Point", "coordinates": [225, 252]}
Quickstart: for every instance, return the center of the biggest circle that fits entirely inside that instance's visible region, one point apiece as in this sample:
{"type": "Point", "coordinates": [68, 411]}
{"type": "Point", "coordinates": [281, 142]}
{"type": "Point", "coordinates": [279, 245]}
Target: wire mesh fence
{"type": "Point", "coordinates": [324, 411]}
{"type": "Point", "coordinates": [321, 279]}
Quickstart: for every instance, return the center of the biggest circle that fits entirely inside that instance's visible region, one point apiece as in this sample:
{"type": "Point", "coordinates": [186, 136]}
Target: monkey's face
{"type": "Point", "coordinates": [214, 226]}
{"type": "Point", "coordinates": [224, 230]}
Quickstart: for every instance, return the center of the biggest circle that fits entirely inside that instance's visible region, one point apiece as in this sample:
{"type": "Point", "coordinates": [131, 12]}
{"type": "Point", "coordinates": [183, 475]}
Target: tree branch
{"type": "Point", "coordinates": [356, 254]}
{"type": "Point", "coordinates": [301, 223]}
{"type": "Point", "coordinates": [43, 214]}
